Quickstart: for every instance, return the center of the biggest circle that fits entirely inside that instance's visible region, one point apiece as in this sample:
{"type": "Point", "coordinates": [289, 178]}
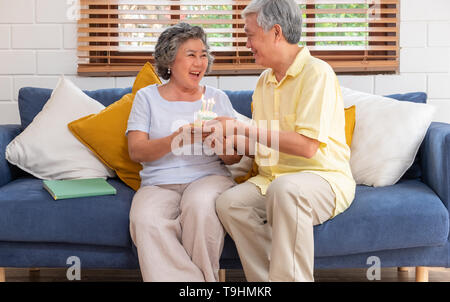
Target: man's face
{"type": "Point", "coordinates": [259, 41]}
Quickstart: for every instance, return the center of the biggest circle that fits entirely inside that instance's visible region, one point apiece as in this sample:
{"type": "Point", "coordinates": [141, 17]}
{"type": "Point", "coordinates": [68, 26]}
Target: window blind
{"type": "Point", "coordinates": [116, 37]}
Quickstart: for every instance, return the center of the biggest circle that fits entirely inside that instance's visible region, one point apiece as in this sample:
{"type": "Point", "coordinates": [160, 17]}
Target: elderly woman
{"type": "Point", "coordinates": [173, 222]}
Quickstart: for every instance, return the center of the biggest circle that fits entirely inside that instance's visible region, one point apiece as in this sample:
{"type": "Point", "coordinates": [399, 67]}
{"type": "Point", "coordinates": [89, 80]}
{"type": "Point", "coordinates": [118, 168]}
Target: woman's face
{"type": "Point", "coordinates": [190, 64]}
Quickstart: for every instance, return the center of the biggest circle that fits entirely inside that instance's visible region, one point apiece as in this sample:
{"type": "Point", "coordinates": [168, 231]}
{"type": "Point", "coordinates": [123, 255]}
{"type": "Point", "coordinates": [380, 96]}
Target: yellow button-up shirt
{"type": "Point", "coordinates": [307, 100]}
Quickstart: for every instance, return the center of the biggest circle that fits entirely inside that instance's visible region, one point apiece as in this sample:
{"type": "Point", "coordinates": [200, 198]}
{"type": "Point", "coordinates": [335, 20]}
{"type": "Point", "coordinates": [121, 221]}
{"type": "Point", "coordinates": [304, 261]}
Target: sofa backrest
{"type": "Point", "coordinates": [416, 97]}
{"type": "Point", "coordinates": [241, 101]}
{"type": "Point", "coordinates": [31, 101]}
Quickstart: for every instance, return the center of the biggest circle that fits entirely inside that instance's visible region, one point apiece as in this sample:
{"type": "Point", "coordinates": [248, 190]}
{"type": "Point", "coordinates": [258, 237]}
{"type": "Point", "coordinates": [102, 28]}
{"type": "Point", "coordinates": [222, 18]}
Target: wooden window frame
{"type": "Point", "coordinates": [383, 42]}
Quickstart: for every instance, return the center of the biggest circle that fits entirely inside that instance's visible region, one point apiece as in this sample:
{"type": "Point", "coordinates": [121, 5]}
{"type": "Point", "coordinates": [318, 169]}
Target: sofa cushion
{"type": "Point", "coordinates": [104, 133]}
{"type": "Point", "coordinates": [387, 136]}
{"type": "Point", "coordinates": [414, 171]}
{"type": "Point", "coordinates": [47, 149]}
{"type": "Point", "coordinates": [32, 100]}
{"type": "Point", "coordinates": [241, 101]}
{"type": "Point", "coordinates": [415, 97]}
{"type": "Point", "coordinates": [350, 121]}
{"type": "Point", "coordinates": [407, 214]}
{"type": "Point", "coordinates": [28, 213]}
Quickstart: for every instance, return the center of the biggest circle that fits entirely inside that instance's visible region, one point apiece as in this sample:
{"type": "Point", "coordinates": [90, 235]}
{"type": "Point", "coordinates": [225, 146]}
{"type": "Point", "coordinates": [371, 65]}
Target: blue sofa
{"type": "Point", "coordinates": [406, 224]}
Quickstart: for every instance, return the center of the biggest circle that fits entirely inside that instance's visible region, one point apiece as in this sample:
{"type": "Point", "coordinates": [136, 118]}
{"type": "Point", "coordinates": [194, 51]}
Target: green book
{"type": "Point", "coordinates": [62, 189]}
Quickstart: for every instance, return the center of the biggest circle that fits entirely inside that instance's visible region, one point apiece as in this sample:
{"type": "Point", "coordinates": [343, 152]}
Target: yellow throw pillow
{"type": "Point", "coordinates": [104, 133]}
{"type": "Point", "coordinates": [350, 113]}
{"type": "Point", "coordinates": [350, 118]}
{"type": "Point", "coordinates": [147, 76]}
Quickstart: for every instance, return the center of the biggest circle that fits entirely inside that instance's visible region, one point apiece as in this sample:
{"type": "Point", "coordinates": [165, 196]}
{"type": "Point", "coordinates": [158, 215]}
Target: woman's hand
{"type": "Point", "coordinates": [187, 135]}
{"type": "Point", "coordinates": [223, 126]}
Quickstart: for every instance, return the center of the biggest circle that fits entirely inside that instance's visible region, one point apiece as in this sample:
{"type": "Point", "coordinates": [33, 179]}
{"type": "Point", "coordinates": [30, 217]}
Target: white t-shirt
{"type": "Point", "coordinates": [153, 114]}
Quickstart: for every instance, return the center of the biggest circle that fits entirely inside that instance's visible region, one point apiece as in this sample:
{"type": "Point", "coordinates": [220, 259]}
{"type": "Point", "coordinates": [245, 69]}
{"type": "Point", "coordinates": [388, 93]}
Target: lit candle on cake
{"type": "Point", "coordinates": [203, 103]}
{"type": "Point", "coordinates": [206, 113]}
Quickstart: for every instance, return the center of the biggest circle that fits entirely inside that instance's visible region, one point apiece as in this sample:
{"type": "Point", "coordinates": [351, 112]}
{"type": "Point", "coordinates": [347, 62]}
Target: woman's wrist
{"type": "Point", "coordinates": [173, 138]}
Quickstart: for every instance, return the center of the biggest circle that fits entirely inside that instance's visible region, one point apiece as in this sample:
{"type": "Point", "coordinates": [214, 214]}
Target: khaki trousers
{"type": "Point", "coordinates": [274, 233]}
{"type": "Point", "coordinates": [176, 230]}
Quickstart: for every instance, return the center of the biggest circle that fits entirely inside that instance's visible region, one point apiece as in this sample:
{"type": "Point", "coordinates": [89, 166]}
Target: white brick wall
{"type": "Point", "coordinates": [5, 36]}
{"type": "Point", "coordinates": [360, 83]}
{"type": "Point", "coordinates": [389, 84]}
{"type": "Point", "coordinates": [92, 83]}
{"type": "Point", "coordinates": [416, 10]}
{"type": "Point", "coordinates": [70, 36]}
{"type": "Point", "coordinates": [38, 43]}
{"type": "Point", "coordinates": [442, 110]}
{"type": "Point", "coordinates": [36, 36]}
{"type": "Point", "coordinates": [33, 81]}
{"type": "Point", "coordinates": [243, 83]}
{"type": "Point", "coordinates": [413, 34]}
{"type": "Point", "coordinates": [439, 86]}
{"type": "Point", "coordinates": [429, 59]}
{"type": "Point", "coordinates": [57, 62]}
{"type": "Point", "coordinates": [124, 82]}
{"type": "Point", "coordinates": [439, 34]}
{"type": "Point", "coordinates": [9, 112]}
{"type": "Point", "coordinates": [17, 11]}
{"type": "Point", "coordinates": [5, 88]}
{"type": "Point", "coordinates": [52, 11]}
{"type": "Point", "coordinates": [17, 62]}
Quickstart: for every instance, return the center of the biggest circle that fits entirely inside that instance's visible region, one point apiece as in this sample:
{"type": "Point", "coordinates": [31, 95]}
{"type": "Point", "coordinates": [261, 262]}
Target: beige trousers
{"type": "Point", "coordinates": [176, 230]}
{"type": "Point", "coordinates": [274, 233]}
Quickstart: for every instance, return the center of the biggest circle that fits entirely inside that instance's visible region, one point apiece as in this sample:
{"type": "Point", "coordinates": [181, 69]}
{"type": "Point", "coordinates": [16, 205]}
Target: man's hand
{"type": "Point", "coordinates": [288, 142]}
{"type": "Point", "coordinates": [221, 145]}
{"type": "Point", "coordinates": [224, 148]}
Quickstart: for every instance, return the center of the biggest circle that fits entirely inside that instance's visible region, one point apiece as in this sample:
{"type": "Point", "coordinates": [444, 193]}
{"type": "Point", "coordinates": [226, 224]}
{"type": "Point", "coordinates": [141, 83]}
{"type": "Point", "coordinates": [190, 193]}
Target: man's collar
{"type": "Point", "coordinates": [295, 68]}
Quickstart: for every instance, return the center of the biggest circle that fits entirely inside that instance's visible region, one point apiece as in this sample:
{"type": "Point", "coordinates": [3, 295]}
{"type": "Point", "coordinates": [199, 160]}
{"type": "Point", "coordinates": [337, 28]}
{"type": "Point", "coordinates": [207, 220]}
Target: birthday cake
{"type": "Point", "coordinates": [205, 113]}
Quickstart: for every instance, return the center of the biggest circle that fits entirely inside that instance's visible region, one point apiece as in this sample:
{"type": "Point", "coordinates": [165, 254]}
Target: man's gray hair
{"type": "Point", "coordinates": [170, 40]}
{"type": "Point", "coordinates": [286, 13]}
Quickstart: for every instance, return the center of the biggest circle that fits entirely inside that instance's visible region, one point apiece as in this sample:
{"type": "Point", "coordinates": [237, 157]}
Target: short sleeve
{"type": "Point", "coordinates": [317, 101]}
{"type": "Point", "coordinates": [140, 115]}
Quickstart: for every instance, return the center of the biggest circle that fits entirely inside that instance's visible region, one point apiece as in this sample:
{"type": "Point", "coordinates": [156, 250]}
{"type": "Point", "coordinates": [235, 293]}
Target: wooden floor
{"type": "Point", "coordinates": [337, 275]}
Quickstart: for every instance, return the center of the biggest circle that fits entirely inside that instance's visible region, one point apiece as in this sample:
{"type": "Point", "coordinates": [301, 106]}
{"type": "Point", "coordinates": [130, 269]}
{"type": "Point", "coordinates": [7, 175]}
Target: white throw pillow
{"type": "Point", "coordinates": [387, 136]}
{"type": "Point", "coordinates": [47, 149]}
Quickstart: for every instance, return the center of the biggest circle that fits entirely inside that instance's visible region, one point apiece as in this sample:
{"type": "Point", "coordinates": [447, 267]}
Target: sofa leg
{"type": "Point", "coordinates": [421, 274]}
{"type": "Point", "coordinates": [222, 275]}
{"type": "Point", "coordinates": [403, 269]}
{"type": "Point", "coordinates": [2, 274]}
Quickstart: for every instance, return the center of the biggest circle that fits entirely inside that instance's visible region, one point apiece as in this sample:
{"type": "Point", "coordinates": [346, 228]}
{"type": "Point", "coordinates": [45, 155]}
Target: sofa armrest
{"type": "Point", "coordinates": [7, 134]}
{"type": "Point", "coordinates": [435, 159]}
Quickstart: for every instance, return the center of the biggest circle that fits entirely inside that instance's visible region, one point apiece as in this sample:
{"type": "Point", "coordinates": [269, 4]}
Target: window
{"type": "Point", "coordinates": [116, 37]}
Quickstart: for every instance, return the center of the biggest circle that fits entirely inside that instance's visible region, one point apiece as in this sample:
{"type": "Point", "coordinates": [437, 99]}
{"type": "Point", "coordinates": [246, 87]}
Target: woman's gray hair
{"type": "Point", "coordinates": [170, 40]}
{"type": "Point", "coordinates": [286, 13]}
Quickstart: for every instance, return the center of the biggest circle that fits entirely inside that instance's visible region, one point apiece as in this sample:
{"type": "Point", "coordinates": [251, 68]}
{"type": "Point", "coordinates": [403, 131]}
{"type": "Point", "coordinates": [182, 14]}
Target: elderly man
{"type": "Point", "coordinates": [304, 175]}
